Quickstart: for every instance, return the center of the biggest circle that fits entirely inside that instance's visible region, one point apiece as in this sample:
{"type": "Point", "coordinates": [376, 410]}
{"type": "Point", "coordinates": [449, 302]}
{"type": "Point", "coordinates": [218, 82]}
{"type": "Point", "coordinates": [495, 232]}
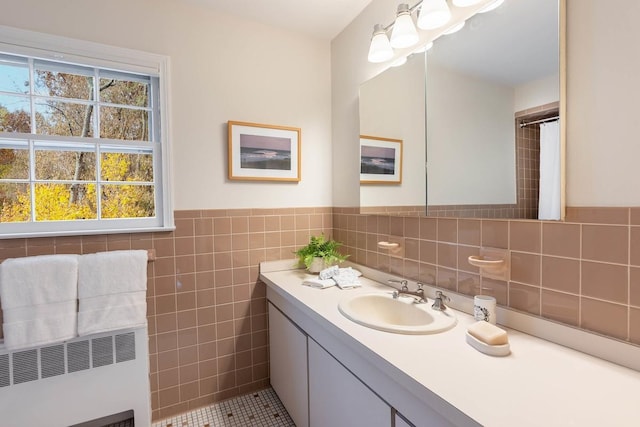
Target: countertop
{"type": "Point", "coordinates": [539, 384]}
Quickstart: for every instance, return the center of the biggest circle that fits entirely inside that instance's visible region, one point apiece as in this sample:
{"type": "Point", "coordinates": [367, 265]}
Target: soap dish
{"type": "Point", "coordinates": [491, 350]}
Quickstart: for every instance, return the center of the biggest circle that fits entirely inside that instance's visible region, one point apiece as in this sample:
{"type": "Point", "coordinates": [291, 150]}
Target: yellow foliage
{"type": "Point", "coordinates": [118, 201]}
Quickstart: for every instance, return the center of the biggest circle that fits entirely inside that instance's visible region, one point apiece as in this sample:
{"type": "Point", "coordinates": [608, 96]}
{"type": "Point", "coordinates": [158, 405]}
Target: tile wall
{"type": "Point", "coordinates": [584, 272]}
{"type": "Point", "coordinates": [206, 310]}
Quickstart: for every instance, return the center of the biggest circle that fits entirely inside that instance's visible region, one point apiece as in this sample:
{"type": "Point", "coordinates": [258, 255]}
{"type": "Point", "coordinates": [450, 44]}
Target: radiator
{"type": "Point", "coordinates": [75, 382]}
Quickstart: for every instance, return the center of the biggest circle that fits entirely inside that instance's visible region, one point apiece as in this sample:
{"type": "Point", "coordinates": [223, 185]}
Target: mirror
{"type": "Point", "coordinates": [500, 70]}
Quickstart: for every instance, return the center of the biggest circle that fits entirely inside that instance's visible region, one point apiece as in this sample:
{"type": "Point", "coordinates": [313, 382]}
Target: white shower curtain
{"type": "Point", "coordinates": [549, 197]}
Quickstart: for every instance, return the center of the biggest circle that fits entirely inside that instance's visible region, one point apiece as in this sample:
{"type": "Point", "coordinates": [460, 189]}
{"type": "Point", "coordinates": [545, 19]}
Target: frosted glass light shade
{"type": "Point", "coordinates": [423, 48]}
{"type": "Point", "coordinates": [455, 28]}
{"type": "Point", "coordinates": [465, 3]}
{"type": "Point", "coordinates": [404, 33]}
{"type": "Point", "coordinates": [433, 14]}
{"type": "Point", "coordinates": [380, 49]}
{"type": "Point", "coordinates": [491, 6]}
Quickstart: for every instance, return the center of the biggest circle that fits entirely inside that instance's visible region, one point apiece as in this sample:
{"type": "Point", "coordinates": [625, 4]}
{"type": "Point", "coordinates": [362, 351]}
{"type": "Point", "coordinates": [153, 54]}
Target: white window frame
{"type": "Point", "coordinates": [80, 52]}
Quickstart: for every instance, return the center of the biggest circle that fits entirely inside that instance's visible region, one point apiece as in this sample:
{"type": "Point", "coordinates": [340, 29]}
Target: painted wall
{"type": "Point", "coordinates": [602, 93]}
{"type": "Point", "coordinates": [223, 68]}
{"type": "Point", "coordinates": [537, 92]}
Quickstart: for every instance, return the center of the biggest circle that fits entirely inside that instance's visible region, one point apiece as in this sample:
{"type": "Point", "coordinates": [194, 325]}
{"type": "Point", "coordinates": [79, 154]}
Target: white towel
{"type": "Point", "coordinates": [38, 296]}
{"type": "Point", "coordinates": [112, 291]}
{"type": "Point", "coordinates": [347, 278]}
{"type": "Point", "coordinates": [319, 283]}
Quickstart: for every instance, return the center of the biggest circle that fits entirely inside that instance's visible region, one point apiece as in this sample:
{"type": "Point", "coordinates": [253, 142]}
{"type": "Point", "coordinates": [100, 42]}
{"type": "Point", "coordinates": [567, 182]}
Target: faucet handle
{"type": "Point", "coordinates": [403, 283]}
{"type": "Point", "coordinates": [443, 297]}
{"type": "Point", "coordinates": [420, 285]}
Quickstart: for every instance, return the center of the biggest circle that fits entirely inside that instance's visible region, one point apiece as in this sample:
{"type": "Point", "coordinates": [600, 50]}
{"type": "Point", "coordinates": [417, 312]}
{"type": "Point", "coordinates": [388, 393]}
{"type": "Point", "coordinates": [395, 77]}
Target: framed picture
{"type": "Point", "coordinates": [263, 152]}
{"type": "Point", "coordinates": [380, 160]}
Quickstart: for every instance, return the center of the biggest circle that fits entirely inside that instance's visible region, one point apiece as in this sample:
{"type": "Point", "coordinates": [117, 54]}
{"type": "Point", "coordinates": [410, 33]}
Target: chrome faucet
{"type": "Point", "coordinates": [438, 303]}
{"type": "Point", "coordinates": [418, 294]}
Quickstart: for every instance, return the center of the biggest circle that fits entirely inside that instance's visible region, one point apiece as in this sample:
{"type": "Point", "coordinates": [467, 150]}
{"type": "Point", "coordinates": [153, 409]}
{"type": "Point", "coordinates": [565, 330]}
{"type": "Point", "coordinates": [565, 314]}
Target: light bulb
{"type": "Point", "coordinates": [404, 33]}
{"type": "Point", "coordinates": [380, 49]}
{"type": "Point", "coordinates": [465, 3]}
{"type": "Point", "coordinates": [455, 28]}
{"type": "Point", "coordinates": [433, 14]}
{"type": "Point", "coordinates": [491, 6]}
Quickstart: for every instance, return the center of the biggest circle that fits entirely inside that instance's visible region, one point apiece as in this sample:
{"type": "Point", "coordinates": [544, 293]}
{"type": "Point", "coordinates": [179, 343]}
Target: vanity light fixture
{"type": "Point", "coordinates": [380, 49]}
{"type": "Point", "coordinates": [404, 33]}
{"type": "Point", "coordinates": [399, 62]}
{"type": "Point", "coordinates": [455, 28]}
{"type": "Point", "coordinates": [433, 14]}
{"type": "Point", "coordinates": [465, 3]}
{"type": "Point", "coordinates": [491, 6]}
{"type": "Point", "coordinates": [423, 48]}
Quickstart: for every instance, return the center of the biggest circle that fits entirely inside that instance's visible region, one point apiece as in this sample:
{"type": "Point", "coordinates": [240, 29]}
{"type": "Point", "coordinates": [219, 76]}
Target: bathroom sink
{"type": "Point", "coordinates": [402, 316]}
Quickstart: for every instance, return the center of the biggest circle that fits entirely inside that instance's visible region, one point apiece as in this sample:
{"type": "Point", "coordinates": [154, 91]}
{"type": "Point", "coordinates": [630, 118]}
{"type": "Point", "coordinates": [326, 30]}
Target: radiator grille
{"type": "Point", "coordinates": [125, 347]}
{"type": "Point", "coordinates": [78, 358]}
{"type": "Point", "coordinates": [5, 376]}
{"type": "Point", "coordinates": [102, 351]}
{"type": "Point", "coordinates": [25, 366]}
{"type": "Point", "coordinates": [78, 355]}
{"type": "Point", "coordinates": [52, 361]}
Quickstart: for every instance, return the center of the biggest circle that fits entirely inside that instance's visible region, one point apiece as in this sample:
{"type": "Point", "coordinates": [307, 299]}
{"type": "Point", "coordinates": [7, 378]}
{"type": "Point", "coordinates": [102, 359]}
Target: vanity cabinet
{"type": "Point", "coordinates": [288, 367]}
{"type": "Point", "coordinates": [401, 422]}
{"type": "Point", "coordinates": [337, 398]}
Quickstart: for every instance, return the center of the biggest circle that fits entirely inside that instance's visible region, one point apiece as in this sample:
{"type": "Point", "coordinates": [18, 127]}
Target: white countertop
{"type": "Point", "coordinates": [539, 384]}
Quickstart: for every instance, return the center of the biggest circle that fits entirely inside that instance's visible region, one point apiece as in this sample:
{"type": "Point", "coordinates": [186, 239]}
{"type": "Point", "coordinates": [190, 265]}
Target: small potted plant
{"type": "Point", "coordinates": [320, 253]}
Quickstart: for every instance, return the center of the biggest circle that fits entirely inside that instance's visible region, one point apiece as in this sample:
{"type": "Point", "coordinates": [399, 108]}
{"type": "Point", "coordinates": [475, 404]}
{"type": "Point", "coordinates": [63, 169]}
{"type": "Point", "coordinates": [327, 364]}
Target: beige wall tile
{"type": "Point", "coordinates": [561, 239]}
{"type": "Point", "coordinates": [525, 268]}
{"type": "Point", "coordinates": [561, 274]}
{"type": "Point", "coordinates": [469, 232]}
{"type": "Point", "coordinates": [604, 317]}
{"type": "Point", "coordinates": [495, 234]}
{"type": "Point", "coordinates": [524, 298]}
{"type": "Point", "coordinates": [634, 286]}
{"type": "Point", "coordinates": [496, 288]}
{"type": "Point", "coordinates": [561, 307]}
{"type": "Point", "coordinates": [428, 228]}
{"type": "Point", "coordinates": [525, 236]}
{"type": "Point", "coordinates": [605, 281]}
{"type": "Point", "coordinates": [448, 255]}
{"type": "Point", "coordinates": [634, 323]}
{"type": "Point", "coordinates": [448, 230]}
{"type": "Point", "coordinates": [606, 243]}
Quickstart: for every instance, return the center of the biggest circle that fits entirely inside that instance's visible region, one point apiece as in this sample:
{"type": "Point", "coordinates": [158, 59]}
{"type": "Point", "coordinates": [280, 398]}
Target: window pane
{"type": "Point", "coordinates": [15, 114]}
{"type": "Point", "coordinates": [14, 77]}
{"type": "Point", "coordinates": [124, 123]}
{"type": "Point", "coordinates": [128, 201]}
{"type": "Point", "coordinates": [63, 85]}
{"type": "Point", "coordinates": [127, 167]}
{"type": "Point", "coordinates": [60, 202]}
{"type": "Point", "coordinates": [64, 118]}
{"type": "Point", "coordinates": [15, 203]}
{"type": "Point", "coordinates": [14, 163]}
{"type": "Point", "coordinates": [65, 165]}
{"type": "Point", "coordinates": [124, 92]}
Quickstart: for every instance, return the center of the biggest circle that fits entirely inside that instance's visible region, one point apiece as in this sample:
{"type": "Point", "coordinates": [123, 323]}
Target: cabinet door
{"type": "Point", "coordinates": [337, 398]}
{"type": "Point", "coordinates": [288, 365]}
{"type": "Point", "coordinates": [401, 422]}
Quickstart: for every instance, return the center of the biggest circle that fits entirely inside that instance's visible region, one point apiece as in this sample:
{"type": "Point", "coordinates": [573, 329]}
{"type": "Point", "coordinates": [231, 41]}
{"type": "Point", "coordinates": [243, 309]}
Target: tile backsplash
{"type": "Point", "coordinates": [208, 332]}
{"type": "Point", "coordinates": [584, 272]}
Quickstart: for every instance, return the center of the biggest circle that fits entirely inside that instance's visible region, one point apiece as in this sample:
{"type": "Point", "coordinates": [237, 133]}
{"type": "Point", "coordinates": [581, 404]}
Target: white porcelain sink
{"type": "Point", "coordinates": [381, 311]}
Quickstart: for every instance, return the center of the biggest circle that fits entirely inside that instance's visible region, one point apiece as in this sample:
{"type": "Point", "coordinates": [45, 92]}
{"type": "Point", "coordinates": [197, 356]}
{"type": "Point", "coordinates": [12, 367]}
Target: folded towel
{"type": "Point", "coordinates": [112, 291]}
{"type": "Point", "coordinates": [106, 273]}
{"type": "Point", "coordinates": [347, 278]}
{"type": "Point", "coordinates": [329, 272]}
{"type": "Point", "coordinates": [38, 296]}
{"type": "Point", "coordinates": [319, 283]}
{"type": "Point", "coordinates": [112, 312]}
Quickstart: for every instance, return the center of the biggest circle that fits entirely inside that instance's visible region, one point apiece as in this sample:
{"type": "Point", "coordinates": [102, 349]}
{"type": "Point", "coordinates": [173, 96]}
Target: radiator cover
{"type": "Point", "coordinates": [78, 380]}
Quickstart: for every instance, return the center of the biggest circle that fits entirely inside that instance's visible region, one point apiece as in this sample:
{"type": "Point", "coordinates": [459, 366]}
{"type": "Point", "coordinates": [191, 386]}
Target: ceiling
{"type": "Point", "coordinates": [323, 19]}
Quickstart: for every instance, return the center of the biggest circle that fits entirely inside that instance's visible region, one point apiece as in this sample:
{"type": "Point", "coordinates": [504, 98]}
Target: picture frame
{"type": "Point", "coordinates": [380, 160]}
{"type": "Point", "coordinates": [260, 152]}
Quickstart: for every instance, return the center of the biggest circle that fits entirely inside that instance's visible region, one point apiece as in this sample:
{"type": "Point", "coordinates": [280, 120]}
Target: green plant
{"type": "Point", "coordinates": [319, 247]}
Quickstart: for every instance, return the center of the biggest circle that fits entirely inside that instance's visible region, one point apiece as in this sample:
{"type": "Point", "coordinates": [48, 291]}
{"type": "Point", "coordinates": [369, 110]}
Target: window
{"type": "Point", "coordinates": [83, 139]}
